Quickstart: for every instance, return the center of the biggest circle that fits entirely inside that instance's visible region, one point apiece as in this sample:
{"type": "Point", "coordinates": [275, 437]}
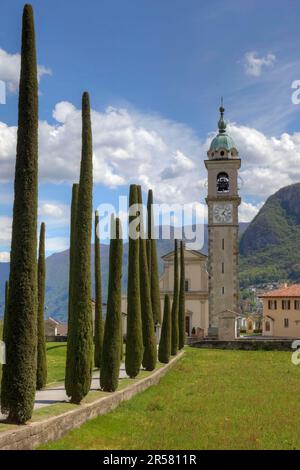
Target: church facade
{"type": "Point", "coordinates": [196, 290]}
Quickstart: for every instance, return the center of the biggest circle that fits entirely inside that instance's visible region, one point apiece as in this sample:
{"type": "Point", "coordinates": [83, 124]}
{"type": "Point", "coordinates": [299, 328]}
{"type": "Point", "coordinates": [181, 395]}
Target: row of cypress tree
{"type": "Point", "coordinates": [25, 368]}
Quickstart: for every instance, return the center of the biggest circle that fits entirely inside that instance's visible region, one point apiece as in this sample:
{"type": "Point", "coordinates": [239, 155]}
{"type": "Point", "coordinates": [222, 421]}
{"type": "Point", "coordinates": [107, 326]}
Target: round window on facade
{"type": "Point", "coordinates": [222, 153]}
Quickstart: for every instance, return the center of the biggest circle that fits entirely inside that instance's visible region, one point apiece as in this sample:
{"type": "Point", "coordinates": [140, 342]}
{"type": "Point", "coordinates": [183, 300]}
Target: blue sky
{"type": "Point", "coordinates": [155, 70]}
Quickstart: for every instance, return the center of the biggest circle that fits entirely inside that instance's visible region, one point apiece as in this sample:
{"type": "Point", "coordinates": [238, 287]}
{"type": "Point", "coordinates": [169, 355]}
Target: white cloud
{"type": "Point", "coordinates": [157, 153]}
{"type": "Point", "coordinates": [4, 257]}
{"type": "Point", "coordinates": [5, 229]}
{"type": "Point", "coordinates": [10, 70]}
{"type": "Point", "coordinates": [247, 211]}
{"type": "Point", "coordinates": [52, 210]}
{"type": "Point", "coordinates": [254, 64]}
{"type": "Point", "coordinates": [56, 244]}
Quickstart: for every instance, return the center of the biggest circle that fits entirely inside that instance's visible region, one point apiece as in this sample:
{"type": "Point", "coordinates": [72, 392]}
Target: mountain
{"type": "Point", "coordinates": [57, 266]}
{"type": "Point", "coordinates": [270, 246]}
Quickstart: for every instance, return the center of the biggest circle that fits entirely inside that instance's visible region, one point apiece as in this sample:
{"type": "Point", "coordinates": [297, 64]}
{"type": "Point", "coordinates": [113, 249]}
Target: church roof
{"type": "Point", "coordinates": [290, 291]}
{"type": "Point", "coordinates": [194, 252]}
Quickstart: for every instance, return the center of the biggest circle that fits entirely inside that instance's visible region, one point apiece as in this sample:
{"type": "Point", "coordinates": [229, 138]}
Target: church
{"type": "Point", "coordinates": [211, 283]}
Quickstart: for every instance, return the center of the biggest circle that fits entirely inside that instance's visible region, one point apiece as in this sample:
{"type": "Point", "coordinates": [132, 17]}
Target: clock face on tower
{"type": "Point", "coordinates": [222, 213]}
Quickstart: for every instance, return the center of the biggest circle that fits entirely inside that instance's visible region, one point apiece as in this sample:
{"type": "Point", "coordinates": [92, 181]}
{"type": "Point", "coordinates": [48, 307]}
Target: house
{"type": "Point", "coordinates": [55, 328]}
{"type": "Point", "coordinates": [281, 312]}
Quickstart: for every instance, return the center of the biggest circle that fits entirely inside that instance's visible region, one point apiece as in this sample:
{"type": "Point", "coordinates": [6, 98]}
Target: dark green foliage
{"type": "Point", "coordinates": [164, 350]}
{"type": "Point", "coordinates": [152, 257]}
{"type": "Point", "coordinates": [149, 339]}
{"type": "Point", "coordinates": [81, 335]}
{"type": "Point", "coordinates": [174, 337]}
{"type": "Point", "coordinates": [111, 352]}
{"type": "Point", "coordinates": [19, 373]}
{"type": "Point", "coordinates": [134, 340]}
{"type": "Point", "coordinates": [98, 299]}
{"type": "Point", "coordinates": [70, 355]}
{"type": "Point", "coordinates": [269, 246]}
{"type": "Point", "coordinates": [181, 306]}
{"type": "Point", "coordinates": [41, 372]}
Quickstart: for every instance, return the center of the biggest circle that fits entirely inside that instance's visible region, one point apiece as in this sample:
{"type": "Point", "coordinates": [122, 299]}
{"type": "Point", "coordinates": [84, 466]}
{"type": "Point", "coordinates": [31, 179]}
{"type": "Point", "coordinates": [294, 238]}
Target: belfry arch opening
{"type": "Point", "coordinates": [223, 182]}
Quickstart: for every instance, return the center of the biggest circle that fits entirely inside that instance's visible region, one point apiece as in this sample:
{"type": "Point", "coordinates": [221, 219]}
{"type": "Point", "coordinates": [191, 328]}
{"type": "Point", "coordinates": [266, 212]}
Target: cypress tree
{"type": "Point", "coordinates": [152, 257]}
{"type": "Point", "coordinates": [98, 299]}
{"type": "Point", "coordinates": [70, 355]}
{"type": "Point", "coordinates": [110, 363]}
{"type": "Point", "coordinates": [181, 306]}
{"type": "Point", "coordinates": [134, 340]}
{"type": "Point", "coordinates": [174, 338]}
{"type": "Point", "coordinates": [149, 339]}
{"type": "Point", "coordinates": [164, 350]}
{"type": "Point", "coordinates": [41, 373]}
{"type": "Point", "coordinates": [19, 373]}
{"type": "Point", "coordinates": [81, 335]}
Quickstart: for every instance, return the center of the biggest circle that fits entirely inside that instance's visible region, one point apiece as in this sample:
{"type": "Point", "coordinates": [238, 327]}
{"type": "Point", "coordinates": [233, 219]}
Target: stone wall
{"type": "Point", "coordinates": [246, 344]}
{"type": "Point", "coordinates": [37, 433]}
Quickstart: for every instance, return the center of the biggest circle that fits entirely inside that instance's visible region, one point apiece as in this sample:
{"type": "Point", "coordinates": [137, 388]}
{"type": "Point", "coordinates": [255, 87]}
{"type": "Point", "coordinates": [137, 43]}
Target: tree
{"type": "Point", "coordinates": [134, 340]}
{"type": "Point", "coordinates": [181, 307]}
{"type": "Point", "coordinates": [110, 363]}
{"type": "Point", "coordinates": [164, 350]}
{"type": "Point", "coordinates": [152, 262]}
{"type": "Point", "coordinates": [98, 298]}
{"type": "Point", "coordinates": [70, 355]}
{"type": "Point", "coordinates": [41, 373]}
{"type": "Point", "coordinates": [174, 338]}
{"type": "Point", "coordinates": [19, 373]}
{"type": "Point", "coordinates": [81, 335]}
{"type": "Point", "coordinates": [149, 339]}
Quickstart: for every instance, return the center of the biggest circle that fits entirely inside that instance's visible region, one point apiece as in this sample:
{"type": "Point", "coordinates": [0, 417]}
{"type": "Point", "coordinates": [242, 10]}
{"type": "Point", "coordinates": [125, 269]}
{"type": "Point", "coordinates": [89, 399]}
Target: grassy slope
{"type": "Point", "coordinates": [210, 400]}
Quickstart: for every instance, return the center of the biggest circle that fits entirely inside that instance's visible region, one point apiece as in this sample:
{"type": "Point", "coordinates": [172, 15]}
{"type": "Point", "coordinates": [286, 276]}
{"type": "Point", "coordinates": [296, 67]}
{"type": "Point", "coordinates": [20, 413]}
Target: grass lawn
{"type": "Point", "coordinates": [211, 399]}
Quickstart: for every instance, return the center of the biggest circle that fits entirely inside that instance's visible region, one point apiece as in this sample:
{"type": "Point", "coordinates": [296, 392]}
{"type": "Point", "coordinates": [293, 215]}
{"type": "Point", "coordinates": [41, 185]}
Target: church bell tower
{"type": "Point", "coordinates": [222, 200]}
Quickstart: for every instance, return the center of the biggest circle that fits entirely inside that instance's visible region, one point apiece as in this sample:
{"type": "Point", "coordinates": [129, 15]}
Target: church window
{"type": "Point", "coordinates": [223, 243]}
{"type": "Point", "coordinates": [267, 326]}
{"type": "Point", "coordinates": [222, 268]}
{"type": "Point", "coordinates": [286, 323]}
{"type": "Point", "coordinates": [186, 285]}
{"type": "Point", "coordinates": [223, 290]}
{"type": "Point", "coordinates": [222, 153]}
{"type": "Point", "coordinates": [223, 183]}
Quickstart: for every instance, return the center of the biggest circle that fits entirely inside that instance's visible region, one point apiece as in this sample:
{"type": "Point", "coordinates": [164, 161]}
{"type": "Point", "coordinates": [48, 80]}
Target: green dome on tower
{"type": "Point", "coordinates": [222, 140]}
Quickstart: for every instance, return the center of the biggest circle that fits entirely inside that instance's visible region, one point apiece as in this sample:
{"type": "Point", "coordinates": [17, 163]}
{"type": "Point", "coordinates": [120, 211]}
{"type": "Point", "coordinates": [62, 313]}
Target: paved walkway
{"type": "Point", "coordinates": [57, 394]}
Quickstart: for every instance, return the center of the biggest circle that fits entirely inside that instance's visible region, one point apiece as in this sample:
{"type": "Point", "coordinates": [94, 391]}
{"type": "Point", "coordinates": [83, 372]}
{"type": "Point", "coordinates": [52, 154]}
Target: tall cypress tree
{"type": "Point", "coordinates": [110, 363]}
{"type": "Point", "coordinates": [181, 306]}
{"type": "Point", "coordinates": [152, 258]}
{"type": "Point", "coordinates": [164, 350]}
{"type": "Point", "coordinates": [174, 339]}
{"type": "Point", "coordinates": [70, 355]}
{"type": "Point", "coordinates": [19, 373]}
{"type": "Point", "coordinates": [81, 335]}
{"type": "Point", "coordinates": [98, 298]}
{"type": "Point", "coordinates": [41, 373]}
{"type": "Point", "coordinates": [134, 340]}
{"type": "Point", "coordinates": [149, 339]}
